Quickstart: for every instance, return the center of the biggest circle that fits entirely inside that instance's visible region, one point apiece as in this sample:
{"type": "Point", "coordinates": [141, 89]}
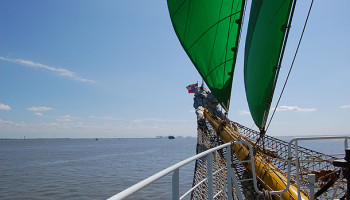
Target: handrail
{"type": "Point", "coordinates": [173, 168]}
{"type": "Point", "coordinates": [346, 138]}
{"type": "Point", "coordinates": [230, 172]}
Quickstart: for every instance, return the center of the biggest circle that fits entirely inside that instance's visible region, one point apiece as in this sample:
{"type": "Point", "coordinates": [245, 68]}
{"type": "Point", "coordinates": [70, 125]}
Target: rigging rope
{"type": "Point", "coordinates": [278, 67]}
{"type": "Point", "coordinates": [291, 67]}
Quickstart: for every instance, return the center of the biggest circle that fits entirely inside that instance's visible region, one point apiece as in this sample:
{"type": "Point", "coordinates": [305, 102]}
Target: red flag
{"type": "Point", "coordinates": [192, 88]}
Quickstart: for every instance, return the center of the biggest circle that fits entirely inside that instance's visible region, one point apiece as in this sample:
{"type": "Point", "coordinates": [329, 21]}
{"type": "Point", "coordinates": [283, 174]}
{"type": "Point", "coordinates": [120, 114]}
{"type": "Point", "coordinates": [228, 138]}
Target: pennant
{"type": "Point", "coordinates": [192, 88]}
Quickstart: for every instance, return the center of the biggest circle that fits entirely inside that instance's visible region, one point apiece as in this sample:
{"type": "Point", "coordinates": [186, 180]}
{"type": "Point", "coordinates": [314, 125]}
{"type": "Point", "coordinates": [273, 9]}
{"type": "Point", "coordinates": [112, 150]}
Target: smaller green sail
{"type": "Point", "coordinates": [265, 36]}
{"type": "Point", "coordinates": [208, 31]}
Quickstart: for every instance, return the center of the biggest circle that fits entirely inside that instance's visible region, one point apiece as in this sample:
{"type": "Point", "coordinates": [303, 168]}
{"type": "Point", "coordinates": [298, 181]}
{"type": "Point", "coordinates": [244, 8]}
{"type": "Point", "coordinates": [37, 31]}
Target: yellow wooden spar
{"type": "Point", "coordinates": [272, 178]}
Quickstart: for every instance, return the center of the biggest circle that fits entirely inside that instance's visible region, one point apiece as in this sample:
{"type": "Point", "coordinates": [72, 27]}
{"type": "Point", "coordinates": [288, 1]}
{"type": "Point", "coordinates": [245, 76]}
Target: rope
{"type": "Point", "coordinates": [287, 27]}
{"type": "Point", "coordinates": [291, 67]}
{"type": "Point", "coordinates": [261, 135]}
{"type": "Point", "coordinates": [222, 125]}
{"type": "Point", "coordinates": [265, 195]}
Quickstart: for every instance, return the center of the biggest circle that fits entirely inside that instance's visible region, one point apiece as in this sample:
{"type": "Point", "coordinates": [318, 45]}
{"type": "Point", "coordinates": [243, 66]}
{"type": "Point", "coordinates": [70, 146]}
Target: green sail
{"type": "Point", "coordinates": [209, 32]}
{"type": "Point", "coordinates": [265, 36]}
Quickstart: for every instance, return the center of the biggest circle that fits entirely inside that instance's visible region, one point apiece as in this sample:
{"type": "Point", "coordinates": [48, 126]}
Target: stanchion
{"type": "Point", "coordinates": [345, 165]}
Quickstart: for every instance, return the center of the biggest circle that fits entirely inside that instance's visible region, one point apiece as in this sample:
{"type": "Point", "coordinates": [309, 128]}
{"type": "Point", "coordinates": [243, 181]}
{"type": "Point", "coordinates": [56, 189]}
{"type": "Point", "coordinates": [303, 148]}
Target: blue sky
{"type": "Point", "coordinates": [116, 69]}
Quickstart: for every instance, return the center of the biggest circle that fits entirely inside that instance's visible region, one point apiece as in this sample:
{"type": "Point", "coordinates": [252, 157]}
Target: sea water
{"type": "Point", "coordinates": [89, 168]}
{"type": "Point", "coordinates": [97, 169]}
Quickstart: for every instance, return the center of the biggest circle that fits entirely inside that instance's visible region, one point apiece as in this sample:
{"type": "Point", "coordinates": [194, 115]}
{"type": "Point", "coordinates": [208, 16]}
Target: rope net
{"type": "Point", "coordinates": [273, 149]}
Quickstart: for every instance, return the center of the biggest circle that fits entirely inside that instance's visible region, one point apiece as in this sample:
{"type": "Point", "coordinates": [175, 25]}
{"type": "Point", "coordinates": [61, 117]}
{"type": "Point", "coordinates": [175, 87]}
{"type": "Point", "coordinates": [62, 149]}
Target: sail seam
{"type": "Point", "coordinates": [200, 37]}
{"type": "Point", "coordinates": [187, 22]}
{"type": "Point", "coordinates": [216, 33]}
{"type": "Point", "coordinates": [178, 8]}
{"type": "Point", "coordinates": [218, 66]}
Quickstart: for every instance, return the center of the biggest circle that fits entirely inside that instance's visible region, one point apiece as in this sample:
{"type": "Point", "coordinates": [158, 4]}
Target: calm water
{"type": "Point", "coordinates": [90, 169]}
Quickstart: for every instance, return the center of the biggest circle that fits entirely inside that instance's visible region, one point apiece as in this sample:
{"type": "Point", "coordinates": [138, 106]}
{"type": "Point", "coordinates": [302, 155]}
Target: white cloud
{"type": "Point", "coordinates": [39, 109]}
{"type": "Point", "coordinates": [4, 107]}
{"type": "Point", "coordinates": [162, 120]}
{"type": "Point", "coordinates": [345, 106]}
{"type": "Point", "coordinates": [109, 118]}
{"type": "Point", "coordinates": [39, 114]}
{"type": "Point", "coordinates": [243, 112]}
{"type": "Point", "coordinates": [155, 120]}
{"type": "Point", "coordinates": [3, 122]}
{"type": "Point", "coordinates": [73, 129]}
{"type": "Point", "coordinates": [14, 124]}
{"type": "Point", "coordinates": [65, 118]}
{"type": "Point", "coordinates": [58, 71]}
{"type": "Point", "coordinates": [295, 108]}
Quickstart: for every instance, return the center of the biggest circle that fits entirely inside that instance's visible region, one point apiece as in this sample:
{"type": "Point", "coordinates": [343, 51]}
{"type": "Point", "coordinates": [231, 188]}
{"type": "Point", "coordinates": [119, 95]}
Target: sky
{"type": "Point", "coordinates": [115, 68]}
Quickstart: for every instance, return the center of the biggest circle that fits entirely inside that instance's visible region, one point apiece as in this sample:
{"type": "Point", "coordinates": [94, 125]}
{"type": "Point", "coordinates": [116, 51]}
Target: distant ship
{"type": "Point", "coordinates": [171, 137]}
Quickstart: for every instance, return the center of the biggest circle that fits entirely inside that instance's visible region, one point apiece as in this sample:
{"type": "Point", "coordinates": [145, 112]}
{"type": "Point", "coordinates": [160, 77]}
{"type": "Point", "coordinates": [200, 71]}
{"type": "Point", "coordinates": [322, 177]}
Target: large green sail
{"type": "Point", "coordinates": [209, 32]}
{"type": "Point", "coordinates": [266, 32]}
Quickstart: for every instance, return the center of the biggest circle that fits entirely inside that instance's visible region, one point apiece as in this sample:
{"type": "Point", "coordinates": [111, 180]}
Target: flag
{"type": "Point", "coordinates": [192, 88]}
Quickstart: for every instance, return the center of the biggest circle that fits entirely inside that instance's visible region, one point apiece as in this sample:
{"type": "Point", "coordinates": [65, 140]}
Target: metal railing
{"type": "Point", "coordinates": [175, 169]}
{"type": "Point", "coordinates": [311, 176]}
{"type": "Point", "coordinates": [231, 175]}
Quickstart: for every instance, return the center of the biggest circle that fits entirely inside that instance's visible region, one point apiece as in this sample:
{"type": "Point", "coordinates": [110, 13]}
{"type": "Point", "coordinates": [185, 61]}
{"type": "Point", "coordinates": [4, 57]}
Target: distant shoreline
{"type": "Point", "coordinates": [157, 137]}
{"type": "Point", "coordinates": [164, 137]}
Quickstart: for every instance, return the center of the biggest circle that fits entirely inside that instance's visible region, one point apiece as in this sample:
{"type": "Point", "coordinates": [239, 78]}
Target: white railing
{"type": "Point", "coordinates": [231, 176]}
{"type": "Point", "coordinates": [311, 176]}
{"type": "Point", "coordinates": [175, 169]}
